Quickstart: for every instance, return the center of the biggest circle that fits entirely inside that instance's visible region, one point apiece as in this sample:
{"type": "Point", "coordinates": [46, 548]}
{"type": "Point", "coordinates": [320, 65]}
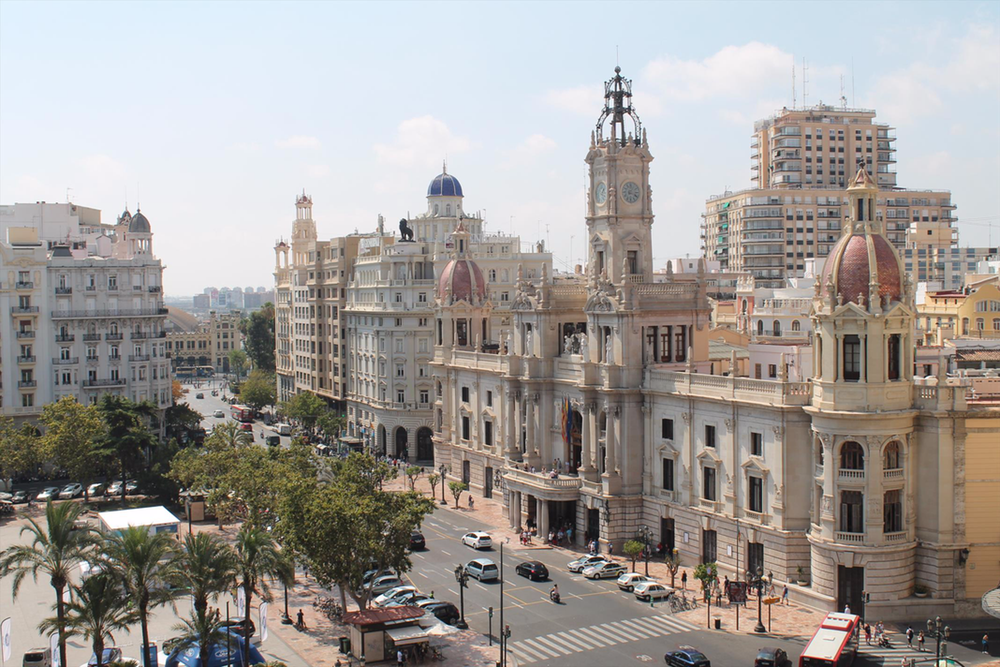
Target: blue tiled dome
{"type": "Point", "coordinates": [444, 185]}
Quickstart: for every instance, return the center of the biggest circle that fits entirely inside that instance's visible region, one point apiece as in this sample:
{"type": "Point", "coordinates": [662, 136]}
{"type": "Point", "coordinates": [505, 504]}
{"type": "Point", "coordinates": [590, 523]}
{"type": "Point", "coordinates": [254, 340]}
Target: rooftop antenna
{"type": "Point", "coordinates": [854, 100]}
{"type": "Point", "coordinates": [617, 64]}
{"type": "Point", "coordinates": [843, 100]}
{"type": "Point", "coordinates": [67, 195]}
{"type": "Point", "coordinates": [793, 82]}
{"type": "Point", "coordinates": [805, 82]}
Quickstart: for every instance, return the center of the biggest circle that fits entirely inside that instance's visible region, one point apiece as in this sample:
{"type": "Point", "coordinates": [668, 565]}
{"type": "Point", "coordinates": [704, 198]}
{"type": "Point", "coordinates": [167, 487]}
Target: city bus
{"type": "Point", "coordinates": [242, 413]}
{"type": "Point", "coordinates": [835, 643]}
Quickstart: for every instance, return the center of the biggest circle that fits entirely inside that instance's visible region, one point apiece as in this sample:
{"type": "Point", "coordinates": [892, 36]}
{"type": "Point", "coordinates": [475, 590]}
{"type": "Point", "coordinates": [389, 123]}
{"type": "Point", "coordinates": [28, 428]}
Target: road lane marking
{"type": "Point", "coordinates": [445, 552]}
{"type": "Point", "coordinates": [635, 627]}
{"type": "Point", "coordinates": [453, 591]}
{"type": "Point", "coordinates": [521, 657]}
{"type": "Point", "coordinates": [623, 630]}
{"type": "Point", "coordinates": [533, 654]}
{"type": "Point", "coordinates": [421, 574]}
{"type": "Point", "coordinates": [583, 595]}
{"type": "Point", "coordinates": [539, 648]}
{"type": "Point", "coordinates": [507, 593]}
{"type": "Point", "coordinates": [548, 642]}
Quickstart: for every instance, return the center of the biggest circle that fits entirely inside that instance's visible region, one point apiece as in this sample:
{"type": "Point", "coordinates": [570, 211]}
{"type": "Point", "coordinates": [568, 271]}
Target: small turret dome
{"type": "Point", "coordinates": [465, 278]}
{"type": "Point", "coordinates": [139, 224]}
{"type": "Point", "coordinates": [444, 185]}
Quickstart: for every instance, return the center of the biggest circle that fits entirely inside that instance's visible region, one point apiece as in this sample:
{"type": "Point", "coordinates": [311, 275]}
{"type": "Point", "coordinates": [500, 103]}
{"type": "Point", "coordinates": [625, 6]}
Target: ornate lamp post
{"type": "Point", "coordinates": [444, 471]}
{"type": "Point", "coordinates": [645, 533]}
{"type": "Point", "coordinates": [756, 580]}
{"type": "Point", "coordinates": [462, 577]}
{"type": "Point", "coordinates": [941, 633]}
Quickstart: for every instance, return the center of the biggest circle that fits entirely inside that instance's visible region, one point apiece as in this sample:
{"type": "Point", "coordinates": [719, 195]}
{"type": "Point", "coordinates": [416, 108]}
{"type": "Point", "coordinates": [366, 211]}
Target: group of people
{"type": "Point", "coordinates": [882, 640]}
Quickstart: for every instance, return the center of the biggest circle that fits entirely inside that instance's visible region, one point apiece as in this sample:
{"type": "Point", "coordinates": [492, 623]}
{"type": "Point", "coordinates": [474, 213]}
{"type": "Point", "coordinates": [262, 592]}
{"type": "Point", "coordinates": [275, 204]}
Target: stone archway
{"type": "Point", "coordinates": [402, 443]}
{"type": "Point", "coordinates": [425, 446]}
{"type": "Point", "coordinates": [381, 439]}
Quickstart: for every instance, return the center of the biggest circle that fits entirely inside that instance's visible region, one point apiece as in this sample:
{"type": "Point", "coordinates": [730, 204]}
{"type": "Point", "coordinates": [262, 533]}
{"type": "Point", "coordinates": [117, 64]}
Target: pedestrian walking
{"type": "Point", "coordinates": [986, 643]}
{"type": "Point", "coordinates": [920, 641]}
{"type": "Point", "coordinates": [868, 634]}
{"type": "Point", "coordinates": [399, 658]}
{"type": "Point", "coordinates": [611, 549]}
{"type": "Point", "coordinates": [847, 609]}
{"type": "Point", "coordinates": [684, 580]}
{"type": "Point", "coordinates": [471, 502]}
{"type": "Point", "coordinates": [784, 595]}
{"type": "Point", "coordinates": [909, 636]}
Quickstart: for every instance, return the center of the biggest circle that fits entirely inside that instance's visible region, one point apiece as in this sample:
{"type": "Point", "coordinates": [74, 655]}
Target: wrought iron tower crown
{"type": "Point", "coordinates": [618, 105]}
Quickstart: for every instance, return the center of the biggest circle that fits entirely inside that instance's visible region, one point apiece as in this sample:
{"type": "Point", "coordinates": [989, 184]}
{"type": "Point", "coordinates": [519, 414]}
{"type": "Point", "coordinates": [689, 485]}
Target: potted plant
{"type": "Point", "coordinates": [921, 591]}
{"type": "Point", "coordinates": [800, 577]}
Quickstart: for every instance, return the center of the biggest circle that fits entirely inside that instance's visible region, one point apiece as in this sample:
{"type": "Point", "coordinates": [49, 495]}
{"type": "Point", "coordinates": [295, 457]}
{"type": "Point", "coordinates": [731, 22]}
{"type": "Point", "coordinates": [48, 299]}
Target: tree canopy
{"type": "Point", "coordinates": [19, 451]}
{"type": "Point", "coordinates": [258, 333]}
{"type": "Point", "coordinates": [71, 434]}
{"type": "Point", "coordinates": [305, 406]}
{"type": "Point", "coordinates": [238, 362]}
{"type": "Point", "coordinates": [258, 390]}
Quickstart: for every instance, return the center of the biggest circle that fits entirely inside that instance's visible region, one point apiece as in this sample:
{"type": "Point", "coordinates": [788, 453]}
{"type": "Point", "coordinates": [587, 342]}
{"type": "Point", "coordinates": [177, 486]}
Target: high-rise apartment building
{"type": "Point", "coordinates": [801, 160]}
{"type": "Point", "coordinates": [81, 309]}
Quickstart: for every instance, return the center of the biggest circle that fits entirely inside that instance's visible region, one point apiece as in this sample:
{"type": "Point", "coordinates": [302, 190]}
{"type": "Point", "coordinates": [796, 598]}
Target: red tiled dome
{"type": "Point", "coordinates": [465, 278]}
{"type": "Point", "coordinates": [853, 257]}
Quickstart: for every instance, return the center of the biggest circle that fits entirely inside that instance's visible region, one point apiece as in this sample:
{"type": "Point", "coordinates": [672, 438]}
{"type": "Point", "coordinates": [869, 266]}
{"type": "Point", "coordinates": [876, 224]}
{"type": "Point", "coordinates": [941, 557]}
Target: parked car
{"type": "Point", "coordinates": [477, 540]}
{"type": "Point", "coordinates": [483, 569]}
{"type": "Point", "coordinates": [48, 493]}
{"type": "Point", "coordinates": [604, 570]}
{"type": "Point", "coordinates": [131, 486]}
{"type": "Point", "coordinates": [533, 570]}
{"type": "Point", "coordinates": [383, 583]}
{"type": "Point", "coordinates": [371, 574]}
{"type": "Point", "coordinates": [445, 611]}
{"type": "Point", "coordinates": [417, 541]}
{"type": "Point", "coordinates": [628, 580]}
{"type": "Point", "coordinates": [109, 655]}
{"type": "Point", "coordinates": [19, 497]}
{"type": "Point", "coordinates": [388, 595]}
{"type": "Point", "coordinates": [37, 657]}
{"type": "Point", "coordinates": [219, 414]}
{"type": "Point", "coordinates": [772, 657]}
{"type": "Point", "coordinates": [586, 561]}
{"type": "Point", "coordinates": [283, 429]}
{"type": "Point", "coordinates": [71, 491]}
{"type": "Point", "coordinates": [246, 426]}
{"type": "Point", "coordinates": [114, 489]}
{"type": "Point", "coordinates": [647, 590]}
{"type": "Point", "coordinates": [95, 489]}
{"type": "Point", "coordinates": [686, 656]}
{"type": "Point", "coordinates": [427, 604]}
{"type": "Point", "coordinates": [199, 395]}
{"type": "Point", "coordinates": [6, 507]}
{"type": "Point", "coordinates": [408, 599]}
{"type": "Point", "coordinates": [6, 496]}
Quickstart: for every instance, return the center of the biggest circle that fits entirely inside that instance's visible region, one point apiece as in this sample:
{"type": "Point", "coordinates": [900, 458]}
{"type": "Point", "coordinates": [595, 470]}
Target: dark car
{"type": "Point", "coordinates": [417, 541]}
{"type": "Point", "coordinates": [273, 441]}
{"type": "Point", "coordinates": [445, 611]}
{"type": "Point", "coordinates": [19, 497]}
{"type": "Point", "coordinates": [772, 657]}
{"type": "Point", "coordinates": [240, 626]}
{"type": "Point", "coordinates": [533, 570]}
{"type": "Point", "coordinates": [686, 656]}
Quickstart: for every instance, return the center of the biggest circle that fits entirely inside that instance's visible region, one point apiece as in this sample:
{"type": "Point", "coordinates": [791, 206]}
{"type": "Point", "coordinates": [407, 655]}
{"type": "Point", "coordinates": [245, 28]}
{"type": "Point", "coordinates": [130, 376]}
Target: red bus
{"type": "Point", "coordinates": [242, 413]}
{"type": "Point", "coordinates": [835, 643]}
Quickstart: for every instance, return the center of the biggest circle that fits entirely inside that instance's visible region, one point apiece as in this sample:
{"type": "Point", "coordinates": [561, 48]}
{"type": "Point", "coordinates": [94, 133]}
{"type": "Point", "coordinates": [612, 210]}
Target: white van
{"type": "Point", "coordinates": [283, 429]}
{"type": "Point", "coordinates": [37, 657]}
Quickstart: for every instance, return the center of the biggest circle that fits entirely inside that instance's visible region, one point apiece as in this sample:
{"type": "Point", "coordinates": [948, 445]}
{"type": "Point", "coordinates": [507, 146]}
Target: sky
{"type": "Point", "coordinates": [214, 116]}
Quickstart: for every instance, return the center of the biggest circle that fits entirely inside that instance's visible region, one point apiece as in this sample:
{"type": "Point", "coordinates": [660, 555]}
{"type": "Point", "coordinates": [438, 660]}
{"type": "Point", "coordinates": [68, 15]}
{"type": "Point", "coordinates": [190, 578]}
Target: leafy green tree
{"type": "Point", "coordinates": [331, 424]}
{"type": "Point", "coordinates": [673, 562]}
{"type": "Point", "coordinates": [127, 439]}
{"type": "Point", "coordinates": [258, 390]}
{"type": "Point", "coordinates": [433, 480]}
{"type": "Point", "coordinates": [70, 433]}
{"type": "Point", "coordinates": [144, 562]}
{"type": "Point", "coordinates": [258, 559]}
{"type": "Point", "coordinates": [230, 435]}
{"type": "Point", "coordinates": [707, 574]}
{"type": "Point", "coordinates": [205, 568]}
{"type": "Point", "coordinates": [306, 407]}
{"type": "Point", "coordinates": [55, 551]}
{"type": "Point", "coordinates": [258, 332]}
{"type": "Point", "coordinates": [238, 362]}
{"type": "Point", "coordinates": [204, 629]}
{"type": "Point", "coordinates": [412, 473]}
{"type": "Point", "coordinates": [456, 490]}
{"type": "Point", "coordinates": [633, 549]}
{"type": "Point", "coordinates": [180, 420]}
{"type": "Point", "coordinates": [98, 608]}
{"type": "Point", "coordinates": [19, 450]}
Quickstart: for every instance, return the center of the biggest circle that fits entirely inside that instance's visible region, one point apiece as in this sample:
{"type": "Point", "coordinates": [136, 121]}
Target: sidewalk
{"type": "Point", "coordinates": [787, 620]}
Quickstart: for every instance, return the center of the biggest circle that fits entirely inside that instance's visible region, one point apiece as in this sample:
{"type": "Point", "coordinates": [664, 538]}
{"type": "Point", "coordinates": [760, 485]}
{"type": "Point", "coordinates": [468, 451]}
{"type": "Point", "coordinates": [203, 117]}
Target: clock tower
{"type": "Point", "coordinates": [619, 206]}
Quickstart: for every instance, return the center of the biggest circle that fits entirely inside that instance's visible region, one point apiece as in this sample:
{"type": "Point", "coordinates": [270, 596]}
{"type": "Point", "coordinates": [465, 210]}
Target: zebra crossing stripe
{"type": "Point", "coordinates": [595, 637]}
{"type": "Point", "coordinates": [624, 630]}
{"type": "Point", "coordinates": [672, 623]}
{"type": "Point", "coordinates": [540, 648]}
{"type": "Point", "coordinates": [601, 631]}
{"type": "Point", "coordinates": [650, 625]}
{"type": "Point", "coordinates": [532, 653]}
{"type": "Point", "coordinates": [585, 640]}
{"type": "Point", "coordinates": [631, 624]}
{"type": "Point", "coordinates": [547, 641]}
{"type": "Point", "coordinates": [572, 640]}
{"type": "Point", "coordinates": [521, 657]}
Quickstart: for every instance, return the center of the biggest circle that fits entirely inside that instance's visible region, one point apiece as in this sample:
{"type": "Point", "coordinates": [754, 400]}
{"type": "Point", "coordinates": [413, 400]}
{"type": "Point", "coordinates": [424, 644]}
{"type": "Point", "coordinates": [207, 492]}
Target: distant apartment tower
{"type": "Point", "coordinates": [801, 160]}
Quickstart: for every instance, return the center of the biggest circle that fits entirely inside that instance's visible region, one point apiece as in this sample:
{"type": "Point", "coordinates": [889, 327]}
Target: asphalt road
{"type": "Point", "coordinates": [209, 404]}
{"type": "Point", "coordinates": [597, 624]}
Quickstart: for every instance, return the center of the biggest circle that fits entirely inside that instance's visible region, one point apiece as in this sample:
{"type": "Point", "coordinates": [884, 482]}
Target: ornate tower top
{"type": "Point", "coordinates": [618, 105]}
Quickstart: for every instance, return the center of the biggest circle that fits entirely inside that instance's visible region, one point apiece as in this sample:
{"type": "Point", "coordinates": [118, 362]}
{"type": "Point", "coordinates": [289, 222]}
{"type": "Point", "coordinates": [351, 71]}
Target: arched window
{"type": "Point", "coordinates": [776, 327]}
{"type": "Point", "coordinates": [996, 323]}
{"type": "Point", "coordinates": [796, 326]}
{"type": "Point", "coordinates": [891, 459]}
{"type": "Point", "coordinates": [852, 456]}
{"type": "Point", "coordinates": [745, 305]}
{"type": "Point", "coordinates": [760, 327]}
{"type": "Point", "coordinates": [965, 326]}
{"type": "Point", "coordinates": [447, 210]}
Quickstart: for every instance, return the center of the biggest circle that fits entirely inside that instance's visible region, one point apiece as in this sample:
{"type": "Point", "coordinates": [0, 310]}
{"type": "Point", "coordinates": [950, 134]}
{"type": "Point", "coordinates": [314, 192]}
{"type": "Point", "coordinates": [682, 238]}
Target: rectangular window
{"type": "Point", "coordinates": [424, 397]}
{"type": "Point", "coordinates": [465, 394]}
{"type": "Point", "coordinates": [756, 499]}
{"type": "Point", "coordinates": [852, 358]}
{"type": "Point", "coordinates": [667, 429]}
{"type": "Point", "coordinates": [892, 512]}
{"type": "Point", "coordinates": [465, 428]}
{"type": "Point", "coordinates": [757, 444]}
{"type": "Point", "coordinates": [755, 556]}
{"type": "Point", "coordinates": [772, 370]}
{"type": "Point", "coordinates": [708, 478]}
{"type": "Point", "coordinates": [893, 352]}
{"type": "Point", "coordinates": [709, 435]}
{"type": "Point", "coordinates": [852, 512]}
{"type": "Point", "coordinates": [488, 433]}
{"type": "Point", "coordinates": [400, 396]}
{"type": "Point", "coordinates": [708, 546]}
{"type": "Point", "coordinates": [668, 475]}
{"type": "Point", "coordinates": [489, 399]}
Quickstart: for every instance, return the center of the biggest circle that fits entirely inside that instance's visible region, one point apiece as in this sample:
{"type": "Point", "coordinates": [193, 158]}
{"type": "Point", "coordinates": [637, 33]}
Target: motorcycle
{"type": "Point", "coordinates": [554, 596]}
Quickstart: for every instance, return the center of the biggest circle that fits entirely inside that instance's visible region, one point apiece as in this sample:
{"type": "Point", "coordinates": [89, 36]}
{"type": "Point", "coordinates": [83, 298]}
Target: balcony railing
{"type": "Point", "coordinates": [759, 517]}
{"type": "Point", "coordinates": [893, 473]}
{"type": "Point", "coordinates": [65, 338]}
{"type": "Point", "coordinates": [90, 288]}
{"type": "Point", "coordinates": [846, 473]}
{"type": "Point", "coordinates": [139, 335]}
{"type": "Point", "coordinates": [893, 538]}
{"type": "Point", "coordinates": [67, 360]}
{"type": "Point", "coordinates": [155, 288]}
{"type": "Point", "coordinates": [138, 357]}
{"type": "Point", "coordinates": [110, 382]}
{"type": "Point", "coordinates": [24, 384]}
{"type": "Point", "coordinates": [101, 312]}
{"type": "Point", "coordinates": [23, 310]}
{"type": "Point", "coordinates": [112, 288]}
{"type": "Point", "coordinates": [64, 290]}
{"type": "Point", "coordinates": [25, 334]}
{"type": "Point", "coordinates": [26, 360]}
{"type": "Point", "coordinates": [850, 538]}
{"type": "Point", "coordinates": [709, 504]}
{"type": "Point", "coordinates": [24, 284]}
{"type": "Point", "coordinates": [113, 336]}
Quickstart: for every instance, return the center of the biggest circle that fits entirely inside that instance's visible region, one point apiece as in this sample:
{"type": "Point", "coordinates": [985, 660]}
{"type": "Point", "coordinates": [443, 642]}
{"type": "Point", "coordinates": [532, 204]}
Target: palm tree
{"type": "Point", "coordinates": [230, 435]}
{"type": "Point", "coordinates": [144, 563]}
{"type": "Point", "coordinates": [258, 558]}
{"type": "Point", "coordinates": [204, 629]}
{"type": "Point", "coordinates": [55, 551]}
{"type": "Point", "coordinates": [100, 607]}
{"type": "Point", "coordinates": [206, 567]}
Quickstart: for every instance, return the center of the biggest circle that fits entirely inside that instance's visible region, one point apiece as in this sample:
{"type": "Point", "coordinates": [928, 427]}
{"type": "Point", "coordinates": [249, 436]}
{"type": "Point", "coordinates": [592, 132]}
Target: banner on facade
{"type": "Point", "coordinates": [5, 638]}
{"type": "Point", "coordinates": [263, 621]}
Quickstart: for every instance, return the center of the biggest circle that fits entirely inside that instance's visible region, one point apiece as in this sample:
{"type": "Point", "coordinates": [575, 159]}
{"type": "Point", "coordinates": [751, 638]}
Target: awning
{"type": "Point", "coordinates": [407, 636]}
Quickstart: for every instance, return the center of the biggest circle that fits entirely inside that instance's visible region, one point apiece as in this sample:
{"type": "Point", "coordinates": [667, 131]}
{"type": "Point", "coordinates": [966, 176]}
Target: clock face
{"type": "Point", "coordinates": [601, 193]}
{"type": "Point", "coordinates": [630, 192]}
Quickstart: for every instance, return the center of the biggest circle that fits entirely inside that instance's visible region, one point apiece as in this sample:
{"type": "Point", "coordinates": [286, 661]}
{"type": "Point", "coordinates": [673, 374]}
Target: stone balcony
{"type": "Point", "coordinates": [543, 486]}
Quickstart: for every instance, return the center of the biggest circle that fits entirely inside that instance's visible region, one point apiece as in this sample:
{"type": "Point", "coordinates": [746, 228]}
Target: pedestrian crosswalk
{"type": "Point", "coordinates": [893, 657]}
{"type": "Point", "coordinates": [560, 644]}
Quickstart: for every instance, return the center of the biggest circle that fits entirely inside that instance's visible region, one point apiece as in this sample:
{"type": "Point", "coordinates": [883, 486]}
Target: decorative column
{"type": "Point", "coordinates": [510, 436]}
{"type": "Point", "coordinates": [531, 446]}
{"type": "Point", "coordinates": [827, 516]}
{"type": "Point", "coordinates": [542, 514]}
{"type": "Point", "coordinates": [588, 469]}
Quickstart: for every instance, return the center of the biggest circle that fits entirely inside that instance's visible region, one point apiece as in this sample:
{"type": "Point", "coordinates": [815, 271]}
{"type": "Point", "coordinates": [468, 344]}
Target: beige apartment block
{"type": "Point", "coordinates": [206, 346]}
{"type": "Point", "coordinates": [800, 162]}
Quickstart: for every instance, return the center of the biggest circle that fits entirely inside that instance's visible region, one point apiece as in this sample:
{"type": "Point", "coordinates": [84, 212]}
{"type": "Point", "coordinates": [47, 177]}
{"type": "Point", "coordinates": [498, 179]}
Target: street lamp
{"type": "Point", "coordinates": [444, 471]}
{"type": "Point", "coordinates": [462, 577]}
{"type": "Point", "coordinates": [756, 580]}
{"type": "Point", "coordinates": [645, 533]}
{"type": "Point", "coordinates": [940, 632]}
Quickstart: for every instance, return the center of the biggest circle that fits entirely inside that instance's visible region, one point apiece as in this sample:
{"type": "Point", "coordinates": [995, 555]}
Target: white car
{"type": "Point", "coordinates": [71, 491]}
{"type": "Point", "coordinates": [218, 414]}
{"type": "Point", "coordinates": [114, 489]}
{"type": "Point", "coordinates": [628, 581]}
{"type": "Point", "coordinates": [95, 489]}
{"type": "Point", "coordinates": [477, 540]}
{"type": "Point", "coordinates": [580, 563]}
{"type": "Point", "coordinates": [646, 590]}
{"type": "Point", "coordinates": [48, 493]}
{"type": "Point", "coordinates": [383, 583]}
{"type": "Point", "coordinates": [391, 593]}
{"type": "Point", "coordinates": [604, 571]}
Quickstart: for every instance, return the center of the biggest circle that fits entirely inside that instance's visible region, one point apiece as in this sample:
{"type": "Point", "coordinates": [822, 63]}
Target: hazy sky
{"type": "Point", "coordinates": [216, 115]}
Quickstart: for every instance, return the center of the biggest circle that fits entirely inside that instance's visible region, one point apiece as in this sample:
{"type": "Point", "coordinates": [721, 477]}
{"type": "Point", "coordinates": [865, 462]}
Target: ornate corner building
{"type": "Point", "coordinates": [597, 411]}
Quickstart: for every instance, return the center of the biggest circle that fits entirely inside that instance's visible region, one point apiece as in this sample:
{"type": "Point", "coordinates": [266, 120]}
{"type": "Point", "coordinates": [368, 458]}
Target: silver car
{"type": "Point", "coordinates": [73, 490]}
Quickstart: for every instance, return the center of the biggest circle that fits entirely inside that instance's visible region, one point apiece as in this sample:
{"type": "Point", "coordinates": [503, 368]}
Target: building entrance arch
{"type": "Point", "coordinates": [425, 446]}
{"type": "Point", "coordinates": [402, 443]}
{"type": "Point", "coordinates": [381, 439]}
